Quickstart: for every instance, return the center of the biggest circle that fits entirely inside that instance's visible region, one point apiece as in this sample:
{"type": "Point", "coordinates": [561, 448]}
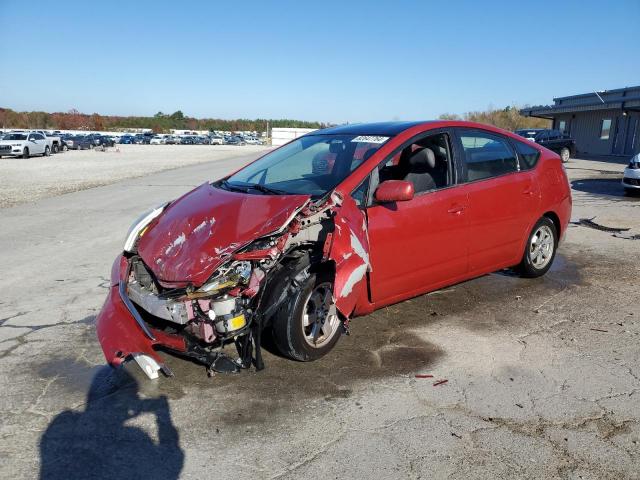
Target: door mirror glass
{"type": "Point", "coordinates": [394, 191]}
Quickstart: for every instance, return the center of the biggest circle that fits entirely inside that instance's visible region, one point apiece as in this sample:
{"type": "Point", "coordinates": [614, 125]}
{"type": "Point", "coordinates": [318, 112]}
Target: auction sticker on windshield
{"type": "Point", "coordinates": [370, 139]}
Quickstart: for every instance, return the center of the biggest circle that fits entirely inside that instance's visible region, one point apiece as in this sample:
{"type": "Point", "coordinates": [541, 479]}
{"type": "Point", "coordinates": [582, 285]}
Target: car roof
{"type": "Point", "coordinates": [389, 129]}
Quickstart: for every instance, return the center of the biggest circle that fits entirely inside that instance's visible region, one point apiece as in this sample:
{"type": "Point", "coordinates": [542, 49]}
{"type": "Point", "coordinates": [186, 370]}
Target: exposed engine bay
{"type": "Point", "coordinates": [236, 303]}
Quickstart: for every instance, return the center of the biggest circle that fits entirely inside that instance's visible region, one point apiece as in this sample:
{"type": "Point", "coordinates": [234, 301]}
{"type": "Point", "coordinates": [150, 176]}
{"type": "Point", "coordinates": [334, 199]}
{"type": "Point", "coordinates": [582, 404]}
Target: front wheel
{"type": "Point", "coordinates": [55, 148]}
{"type": "Point", "coordinates": [307, 326]}
{"type": "Point", "coordinates": [25, 153]}
{"type": "Point", "coordinates": [565, 154]}
{"type": "Point", "coordinates": [65, 148]}
{"type": "Point", "coordinates": [540, 250]}
{"type": "Point", "coordinates": [47, 152]}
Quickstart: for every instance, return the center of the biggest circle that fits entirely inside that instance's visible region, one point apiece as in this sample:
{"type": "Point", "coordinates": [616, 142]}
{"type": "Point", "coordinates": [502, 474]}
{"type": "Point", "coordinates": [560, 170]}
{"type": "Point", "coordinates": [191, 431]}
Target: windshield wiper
{"type": "Point", "coordinates": [245, 187]}
{"type": "Point", "coordinates": [265, 189]}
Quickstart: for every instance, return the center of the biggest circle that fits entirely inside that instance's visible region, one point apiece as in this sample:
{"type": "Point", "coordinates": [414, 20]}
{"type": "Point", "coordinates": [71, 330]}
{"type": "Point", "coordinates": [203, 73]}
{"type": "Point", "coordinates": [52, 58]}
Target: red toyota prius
{"type": "Point", "coordinates": [333, 225]}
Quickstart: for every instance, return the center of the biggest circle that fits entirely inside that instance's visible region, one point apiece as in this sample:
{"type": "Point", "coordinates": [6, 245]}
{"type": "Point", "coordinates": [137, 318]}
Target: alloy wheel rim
{"type": "Point", "coordinates": [320, 320]}
{"type": "Point", "coordinates": [541, 247]}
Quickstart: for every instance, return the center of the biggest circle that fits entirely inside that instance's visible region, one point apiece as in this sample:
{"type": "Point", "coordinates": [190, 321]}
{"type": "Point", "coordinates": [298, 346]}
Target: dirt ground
{"type": "Point", "coordinates": [542, 376]}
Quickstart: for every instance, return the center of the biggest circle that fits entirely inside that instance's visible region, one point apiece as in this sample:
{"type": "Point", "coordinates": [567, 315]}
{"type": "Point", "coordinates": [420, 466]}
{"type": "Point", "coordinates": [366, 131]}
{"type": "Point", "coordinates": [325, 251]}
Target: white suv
{"type": "Point", "coordinates": [24, 144]}
{"type": "Point", "coordinates": [631, 177]}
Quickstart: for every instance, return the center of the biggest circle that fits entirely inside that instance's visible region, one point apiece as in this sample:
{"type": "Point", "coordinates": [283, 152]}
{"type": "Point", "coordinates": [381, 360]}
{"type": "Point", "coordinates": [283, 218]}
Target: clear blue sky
{"type": "Point", "coordinates": [331, 61]}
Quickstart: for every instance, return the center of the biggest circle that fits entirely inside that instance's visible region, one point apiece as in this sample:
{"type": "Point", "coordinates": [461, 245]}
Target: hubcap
{"type": "Point", "coordinates": [541, 247]}
{"type": "Point", "coordinates": [320, 321]}
{"type": "Point", "coordinates": [565, 155]}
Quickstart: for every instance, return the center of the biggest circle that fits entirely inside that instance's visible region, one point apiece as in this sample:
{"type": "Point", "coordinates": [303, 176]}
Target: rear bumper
{"type": "Point", "coordinates": [121, 331]}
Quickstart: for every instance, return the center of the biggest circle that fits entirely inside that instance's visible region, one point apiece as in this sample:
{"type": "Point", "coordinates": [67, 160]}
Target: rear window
{"type": "Point", "coordinates": [486, 155]}
{"type": "Point", "coordinates": [527, 154]}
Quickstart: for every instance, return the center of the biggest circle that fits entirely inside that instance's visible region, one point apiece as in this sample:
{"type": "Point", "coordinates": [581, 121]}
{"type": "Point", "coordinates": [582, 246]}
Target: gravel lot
{"type": "Point", "coordinates": [41, 177]}
{"type": "Point", "coordinates": [543, 375]}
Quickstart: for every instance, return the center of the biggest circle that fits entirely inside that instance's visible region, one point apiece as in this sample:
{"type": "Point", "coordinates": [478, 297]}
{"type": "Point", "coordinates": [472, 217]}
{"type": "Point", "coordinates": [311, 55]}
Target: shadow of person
{"type": "Point", "coordinates": [98, 443]}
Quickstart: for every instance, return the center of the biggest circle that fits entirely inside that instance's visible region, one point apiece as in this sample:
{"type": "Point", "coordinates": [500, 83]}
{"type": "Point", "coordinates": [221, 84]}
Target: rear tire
{"type": "Point", "coordinates": [25, 153]}
{"type": "Point", "coordinates": [65, 148]}
{"type": "Point", "coordinates": [540, 250]}
{"type": "Point", "coordinates": [307, 327]}
{"type": "Point", "coordinates": [631, 192]}
{"type": "Point", "coordinates": [565, 154]}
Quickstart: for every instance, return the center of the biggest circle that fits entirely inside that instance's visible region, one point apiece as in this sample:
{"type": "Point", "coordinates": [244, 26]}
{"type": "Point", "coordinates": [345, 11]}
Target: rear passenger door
{"type": "Point", "coordinates": [502, 199]}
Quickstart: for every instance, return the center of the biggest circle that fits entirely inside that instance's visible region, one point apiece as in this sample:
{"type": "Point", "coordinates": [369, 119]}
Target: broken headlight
{"type": "Point", "coordinates": [237, 272]}
{"type": "Point", "coordinates": [139, 225]}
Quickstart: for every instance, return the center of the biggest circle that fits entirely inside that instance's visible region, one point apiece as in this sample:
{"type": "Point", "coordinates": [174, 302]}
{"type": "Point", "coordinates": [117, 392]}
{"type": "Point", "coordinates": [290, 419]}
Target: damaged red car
{"type": "Point", "coordinates": [330, 226]}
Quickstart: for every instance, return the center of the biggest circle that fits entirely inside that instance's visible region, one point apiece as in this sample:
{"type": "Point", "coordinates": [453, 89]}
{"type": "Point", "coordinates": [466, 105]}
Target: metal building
{"type": "Point", "coordinates": [602, 123]}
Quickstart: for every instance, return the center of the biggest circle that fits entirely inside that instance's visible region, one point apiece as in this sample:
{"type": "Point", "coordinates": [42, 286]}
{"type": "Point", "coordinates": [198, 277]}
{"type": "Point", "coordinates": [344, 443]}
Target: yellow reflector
{"type": "Point", "coordinates": [237, 322]}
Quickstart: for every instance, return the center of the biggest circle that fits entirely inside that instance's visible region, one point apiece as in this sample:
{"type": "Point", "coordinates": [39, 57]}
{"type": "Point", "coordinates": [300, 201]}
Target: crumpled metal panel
{"type": "Point", "coordinates": [199, 231]}
{"type": "Point", "coordinates": [350, 252]}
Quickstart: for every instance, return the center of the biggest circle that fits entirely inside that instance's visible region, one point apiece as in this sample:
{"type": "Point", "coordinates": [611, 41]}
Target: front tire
{"type": "Point", "coordinates": [565, 154]}
{"type": "Point", "coordinates": [47, 152]}
{"type": "Point", "coordinates": [55, 148]}
{"type": "Point", "coordinates": [307, 327]}
{"type": "Point", "coordinates": [540, 250]}
{"type": "Point", "coordinates": [65, 148]}
{"type": "Point", "coordinates": [25, 153]}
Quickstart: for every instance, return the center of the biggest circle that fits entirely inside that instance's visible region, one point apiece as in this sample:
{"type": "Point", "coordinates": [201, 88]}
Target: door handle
{"type": "Point", "coordinates": [457, 210]}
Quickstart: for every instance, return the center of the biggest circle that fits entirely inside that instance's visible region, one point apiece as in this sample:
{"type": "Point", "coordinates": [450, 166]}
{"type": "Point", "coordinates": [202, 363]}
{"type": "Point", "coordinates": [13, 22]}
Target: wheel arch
{"type": "Point", "coordinates": [553, 216]}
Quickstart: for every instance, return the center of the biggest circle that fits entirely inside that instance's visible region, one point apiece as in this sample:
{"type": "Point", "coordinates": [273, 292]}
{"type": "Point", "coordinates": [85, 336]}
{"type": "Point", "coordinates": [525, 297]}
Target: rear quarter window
{"type": "Point", "coordinates": [528, 155]}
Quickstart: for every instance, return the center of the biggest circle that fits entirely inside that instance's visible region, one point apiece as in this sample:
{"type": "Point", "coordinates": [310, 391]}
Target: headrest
{"type": "Point", "coordinates": [336, 147]}
{"type": "Point", "coordinates": [368, 154]}
{"type": "Point", "coordinates": [422, 160]}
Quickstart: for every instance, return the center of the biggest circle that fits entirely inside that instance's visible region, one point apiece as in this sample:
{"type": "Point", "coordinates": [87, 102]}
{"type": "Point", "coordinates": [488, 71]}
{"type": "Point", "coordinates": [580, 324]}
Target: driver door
{"type": "Point", "coordinates": [420, 244]}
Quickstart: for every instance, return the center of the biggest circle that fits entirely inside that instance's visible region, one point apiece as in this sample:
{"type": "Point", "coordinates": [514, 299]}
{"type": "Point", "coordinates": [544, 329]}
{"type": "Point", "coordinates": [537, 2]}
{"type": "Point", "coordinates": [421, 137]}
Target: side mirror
{"type": "Point", "coordinates": [394, 191]}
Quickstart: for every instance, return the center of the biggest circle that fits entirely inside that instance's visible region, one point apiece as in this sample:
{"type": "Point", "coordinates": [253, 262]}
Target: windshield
{"type": "Point", "coordinates": [15, 136]}
{"type": "Point", "coordinates": [312, 165]}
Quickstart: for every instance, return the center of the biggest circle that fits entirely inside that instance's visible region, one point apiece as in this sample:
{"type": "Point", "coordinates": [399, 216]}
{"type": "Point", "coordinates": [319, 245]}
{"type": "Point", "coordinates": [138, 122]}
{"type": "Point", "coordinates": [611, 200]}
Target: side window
{"type": "Point", "coordinates": [359, 195]}
{"type": "Point", "coordinates": [425, 162]}
{"type": "Point", "coordinates": [528, 155]}
{"type": "Point", "coordinates": [486, 155]}
{"type": "Point", "coordinates": [605, 129]}
{"type": "Point", "coordinates": [39, 136]}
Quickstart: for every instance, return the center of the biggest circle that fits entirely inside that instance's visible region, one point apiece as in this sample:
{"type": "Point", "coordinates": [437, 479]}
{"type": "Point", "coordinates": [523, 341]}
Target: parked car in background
{"type": "Point", "coordinates": [631, 176]}
{"type": "Point", "coordinates": [157, 140]}
{"type": "Point", "coordinates": [406, 208]}
{"type": "Point", "coordinates": [253, 141]}
{"type": "Point", "coordinates": [235, 140]}
{"type": "Point", "coordinates": [172, 140]}
{"type": "Point", "coordinates": [53, 140]}
{"type": "Point", "coordinates": [82, 142]}
{"type": "Point", "coordinates": [126, 139]}
{"type": "Point", "coordinates": [25, 145]}
{"type": "Point", "coordinates": [216, 140]}
{"type": "Point", "coordinates": [554, 140]}
{"type": "Point", "coordinates": [105, 141]}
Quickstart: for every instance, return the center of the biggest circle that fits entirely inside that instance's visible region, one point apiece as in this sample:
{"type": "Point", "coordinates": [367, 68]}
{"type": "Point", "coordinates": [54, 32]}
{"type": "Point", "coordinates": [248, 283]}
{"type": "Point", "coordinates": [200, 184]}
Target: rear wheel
{"type": "Point", "coordinates": [64, 148]}
{"type": "Point", "coordinates": [25, 153]}
{"type": "Point", "coordinates": [631, 192]}
{"type": "Point", "coordinates": [47, 152]}
{"type": "Point", "coordinates": [540, 250]}
{"type": "Point", "coordinates": [307, 326]}
{"type": "Point", "coordinates": [565, 154]}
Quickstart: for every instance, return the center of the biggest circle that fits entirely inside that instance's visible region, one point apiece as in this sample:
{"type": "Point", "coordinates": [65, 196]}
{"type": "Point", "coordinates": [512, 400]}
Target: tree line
{"type": "Point", "coordinates": [508, 118]}
{"type": "Point", "coordinates": [160, 122]}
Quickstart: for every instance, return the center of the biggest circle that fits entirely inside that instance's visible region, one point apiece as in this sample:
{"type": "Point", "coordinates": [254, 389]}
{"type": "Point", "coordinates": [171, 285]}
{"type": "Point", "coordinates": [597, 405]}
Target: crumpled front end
{"type": "Point", "coordinates": [202, 319]}
{"type": "Point", "coordinates": [124, 334]}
